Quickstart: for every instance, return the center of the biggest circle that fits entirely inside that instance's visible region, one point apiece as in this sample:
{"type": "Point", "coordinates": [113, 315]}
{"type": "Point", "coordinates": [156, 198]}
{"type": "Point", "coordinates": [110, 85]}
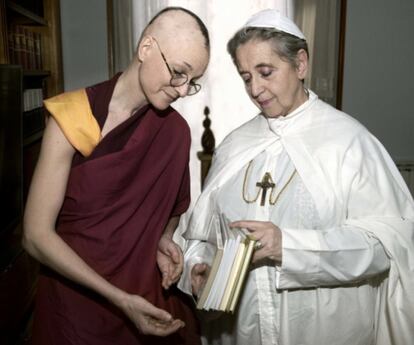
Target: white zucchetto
{"type": "Point", "coordinates": [271, 18]}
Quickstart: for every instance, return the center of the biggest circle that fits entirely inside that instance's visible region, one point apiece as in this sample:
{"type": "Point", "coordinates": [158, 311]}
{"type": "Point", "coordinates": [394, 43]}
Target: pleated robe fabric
{"type": "Point", "coordinates": [117, 204]}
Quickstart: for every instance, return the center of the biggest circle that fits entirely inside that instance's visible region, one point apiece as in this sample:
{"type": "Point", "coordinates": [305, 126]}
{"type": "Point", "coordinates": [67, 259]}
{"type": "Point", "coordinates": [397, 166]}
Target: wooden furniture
{"type": "Point", "coordinates": [208, 143]}
{"type": "Point", "coordinates": [29, 37]}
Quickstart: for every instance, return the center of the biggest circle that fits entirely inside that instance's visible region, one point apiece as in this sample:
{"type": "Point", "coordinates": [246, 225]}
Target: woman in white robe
{"type": "Point", "coordinates": [336, 230]}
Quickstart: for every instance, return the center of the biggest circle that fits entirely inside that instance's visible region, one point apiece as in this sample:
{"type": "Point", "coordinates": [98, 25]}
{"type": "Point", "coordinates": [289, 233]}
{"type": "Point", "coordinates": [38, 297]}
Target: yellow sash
{"type": "Point", "coordinates": [73, 114]}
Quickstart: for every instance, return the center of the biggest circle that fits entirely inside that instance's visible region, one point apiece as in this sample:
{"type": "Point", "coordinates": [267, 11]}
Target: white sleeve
{"type": "Point", "coordinates": [372, 194]}
{"type": "Point", "coordinates": [196, 252]}
{"type": "Point", "coordinates": [335, 256]}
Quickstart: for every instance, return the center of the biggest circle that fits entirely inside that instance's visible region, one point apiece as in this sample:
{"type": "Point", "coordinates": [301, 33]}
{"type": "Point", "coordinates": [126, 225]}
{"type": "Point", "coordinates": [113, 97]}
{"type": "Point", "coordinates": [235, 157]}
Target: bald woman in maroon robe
{"type": "Point", "coordinates": [111, 183]}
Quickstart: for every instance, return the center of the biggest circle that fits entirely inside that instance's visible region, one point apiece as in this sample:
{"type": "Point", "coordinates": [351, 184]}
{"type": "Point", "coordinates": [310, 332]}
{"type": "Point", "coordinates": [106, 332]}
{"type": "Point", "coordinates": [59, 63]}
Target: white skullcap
{"type": "Point", "coordinates": [274, 19]}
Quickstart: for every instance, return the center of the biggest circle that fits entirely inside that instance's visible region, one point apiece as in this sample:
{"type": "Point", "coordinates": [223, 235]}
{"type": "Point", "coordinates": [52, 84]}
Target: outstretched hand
{"type": "Point", "coordinates": [267, 234]}
{"type": "Point", "coordinates": [148, 318]}
{"type": "Point", "coordinates": [170, 261]}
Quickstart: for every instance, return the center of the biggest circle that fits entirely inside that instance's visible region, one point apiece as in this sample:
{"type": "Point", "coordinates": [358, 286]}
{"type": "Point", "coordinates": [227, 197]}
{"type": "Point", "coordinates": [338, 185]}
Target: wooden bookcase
{"type": "Point", "coordinates": [47, 25]}
{"type": "Point", "coordinates": [40, 18]}
{"type": "Point", "coordinates": [37, 22]}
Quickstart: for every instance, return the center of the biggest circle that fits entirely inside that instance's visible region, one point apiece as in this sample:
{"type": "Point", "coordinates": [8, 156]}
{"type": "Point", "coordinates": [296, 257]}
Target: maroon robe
{"type": "Point", "coordinates": [117, 204]}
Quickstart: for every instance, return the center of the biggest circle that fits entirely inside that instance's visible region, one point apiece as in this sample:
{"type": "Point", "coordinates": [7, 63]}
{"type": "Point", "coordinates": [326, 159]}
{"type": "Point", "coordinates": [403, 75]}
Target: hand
{"type": "Point", "coordinates": [170, 261]}
{"type": "Point", "coordinates": [148, 318]}
{"type": "Point", "coordinates": [269, 236]}
{"type": "Point", "coordinates": [199, 274]}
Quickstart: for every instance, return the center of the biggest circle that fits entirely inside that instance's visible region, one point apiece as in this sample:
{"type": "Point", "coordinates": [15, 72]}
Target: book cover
{"type": "Point", "coordinates": [228, 270]}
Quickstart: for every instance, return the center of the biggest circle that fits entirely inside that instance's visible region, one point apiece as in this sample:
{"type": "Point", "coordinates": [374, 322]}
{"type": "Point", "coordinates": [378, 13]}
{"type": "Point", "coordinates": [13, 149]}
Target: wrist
{"type": "Point", "coordinates": [117, 297]}
{"type": "Point", "coordinates": [168, 234]}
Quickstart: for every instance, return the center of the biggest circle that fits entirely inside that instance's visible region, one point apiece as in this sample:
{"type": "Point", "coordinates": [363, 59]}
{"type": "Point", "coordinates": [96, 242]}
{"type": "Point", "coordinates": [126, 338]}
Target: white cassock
{"type": "Point", "coordinates": [347, 233]}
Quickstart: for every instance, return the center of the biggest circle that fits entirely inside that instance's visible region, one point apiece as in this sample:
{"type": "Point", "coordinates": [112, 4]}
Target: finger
{"type": "Point", "coordinates": [171, 276]}
{"type": "Point", "coordinates": [257, 256]}
{"type": "Point", "coordinates": [164, 329]}
{"type": "Point", "coordinates": [197, 286]}
{"type": "Point", "coordinates": [178, 267]}
{"type": "Point", "coordinates": [156, 313]}
{"type": "Point", "coordinates": [200, 268]}
{"type": "Point", "coordinates": [174, 253]}
{"type": "Point", "coordinates": [165, 280]}
{"type": "Point", "coordinates": [248, 224]}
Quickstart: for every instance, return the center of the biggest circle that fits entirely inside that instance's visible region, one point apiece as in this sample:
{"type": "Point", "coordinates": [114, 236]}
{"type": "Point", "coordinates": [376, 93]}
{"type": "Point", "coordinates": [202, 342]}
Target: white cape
{"type": "Point", "coordinates": [352, 180]}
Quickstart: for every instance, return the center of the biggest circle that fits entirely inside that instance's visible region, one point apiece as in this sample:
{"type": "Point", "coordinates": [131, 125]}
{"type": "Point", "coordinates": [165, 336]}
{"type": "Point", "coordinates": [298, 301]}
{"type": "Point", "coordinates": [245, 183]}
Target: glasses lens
{"type": "Point", "coordinates": [178, 80]}
{"type": "Point", "coordinates": [193, 89]}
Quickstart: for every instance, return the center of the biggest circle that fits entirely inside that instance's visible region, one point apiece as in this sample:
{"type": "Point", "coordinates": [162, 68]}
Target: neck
{"type": "Point", "coordinates": [128, 97]}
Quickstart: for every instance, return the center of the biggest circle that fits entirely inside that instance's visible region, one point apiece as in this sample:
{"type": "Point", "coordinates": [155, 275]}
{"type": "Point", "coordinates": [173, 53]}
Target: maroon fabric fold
{"type": "Point", "coordinates": [117, 204]}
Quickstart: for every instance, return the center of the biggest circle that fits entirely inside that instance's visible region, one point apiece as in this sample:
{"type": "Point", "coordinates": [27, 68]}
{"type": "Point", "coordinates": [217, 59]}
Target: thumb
{"type": "Point", "coordinates": [175, 255]}
{"type": "Point", "coordinates": [158, 313]}
{"type": "Point", "coordinates": [200, 268]}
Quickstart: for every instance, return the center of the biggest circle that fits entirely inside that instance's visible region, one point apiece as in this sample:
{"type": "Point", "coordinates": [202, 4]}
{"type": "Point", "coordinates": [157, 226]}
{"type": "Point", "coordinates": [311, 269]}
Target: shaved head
{"type": "Point", "coordinates": [174, 46]}
{"type": "Point", "coordinates": [175, 23]}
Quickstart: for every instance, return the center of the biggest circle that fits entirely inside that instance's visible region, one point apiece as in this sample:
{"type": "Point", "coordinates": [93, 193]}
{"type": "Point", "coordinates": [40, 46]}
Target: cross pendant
{"type": "Point", "coordinates": [266, 183]}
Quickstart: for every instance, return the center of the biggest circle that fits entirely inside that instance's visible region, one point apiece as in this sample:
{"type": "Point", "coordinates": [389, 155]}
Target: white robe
{"type": "Point", "coordinates": [353, 206]}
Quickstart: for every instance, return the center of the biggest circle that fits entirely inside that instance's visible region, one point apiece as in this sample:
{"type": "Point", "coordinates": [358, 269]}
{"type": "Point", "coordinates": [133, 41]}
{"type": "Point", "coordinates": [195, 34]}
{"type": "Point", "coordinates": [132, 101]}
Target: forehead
{"type": "Point", "coordinates": [181, 39]}
{"type": "Point", "coordinates": [188, 49]}
{"type": "Point", "coordinates": [254, 52]}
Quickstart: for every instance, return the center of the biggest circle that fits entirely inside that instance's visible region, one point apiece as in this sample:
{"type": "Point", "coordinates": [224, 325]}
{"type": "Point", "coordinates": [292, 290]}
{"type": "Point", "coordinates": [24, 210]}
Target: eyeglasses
{"type": "Point", "coordinates": [179, 79]}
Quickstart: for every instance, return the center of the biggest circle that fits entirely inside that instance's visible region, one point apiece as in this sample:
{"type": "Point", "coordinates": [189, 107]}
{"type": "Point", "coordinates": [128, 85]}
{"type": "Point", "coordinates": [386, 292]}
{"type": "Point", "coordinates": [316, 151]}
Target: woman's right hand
{"type": "Point", "coordinates": [199, 274]}
{"type": "Point", "coordinates": [148, 318]}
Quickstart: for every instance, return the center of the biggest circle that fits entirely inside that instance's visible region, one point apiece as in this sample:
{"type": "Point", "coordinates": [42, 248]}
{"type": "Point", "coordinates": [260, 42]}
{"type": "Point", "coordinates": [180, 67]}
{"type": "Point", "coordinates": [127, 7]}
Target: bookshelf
{"type": "Point", "coordinates": [30, 37]}
{"type": "Point", "coordinates": [34, 27]}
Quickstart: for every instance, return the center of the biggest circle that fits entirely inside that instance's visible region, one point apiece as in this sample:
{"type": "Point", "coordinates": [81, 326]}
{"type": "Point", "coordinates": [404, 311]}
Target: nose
{"type": "Point", "coordinates": [255, 87]}
{"type": "Point", "coordinates": [183, 89]}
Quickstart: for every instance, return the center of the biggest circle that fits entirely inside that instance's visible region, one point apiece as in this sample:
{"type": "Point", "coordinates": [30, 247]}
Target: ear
{"type": "Point", "coordinates": [144, 47]}
{"type": "Point", "coordinates": [302, 64]}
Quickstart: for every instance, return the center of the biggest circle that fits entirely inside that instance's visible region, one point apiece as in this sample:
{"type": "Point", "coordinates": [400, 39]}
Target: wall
{"type": "Point", "coordinates": [379, 71]}
{"type": "Point", "coordinates": [84, 42]}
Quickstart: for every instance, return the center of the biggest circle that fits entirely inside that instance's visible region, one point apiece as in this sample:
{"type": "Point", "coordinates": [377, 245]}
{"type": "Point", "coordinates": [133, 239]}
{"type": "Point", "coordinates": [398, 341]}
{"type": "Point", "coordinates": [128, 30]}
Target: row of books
{"type": "Point", "coordinates": [32, 99]}
{"type": "Point", "coordinates": [25, 47]}
{"type": "Point", "coordinates": [228, 271]}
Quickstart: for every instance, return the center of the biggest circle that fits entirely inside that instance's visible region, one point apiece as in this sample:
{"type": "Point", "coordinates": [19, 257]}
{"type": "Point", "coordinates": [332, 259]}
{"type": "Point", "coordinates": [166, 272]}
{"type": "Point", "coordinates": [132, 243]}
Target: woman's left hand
{"type": "Point", "coordinates": [170, 261]}
{"type": "Point", "coordinates": [268, 236]}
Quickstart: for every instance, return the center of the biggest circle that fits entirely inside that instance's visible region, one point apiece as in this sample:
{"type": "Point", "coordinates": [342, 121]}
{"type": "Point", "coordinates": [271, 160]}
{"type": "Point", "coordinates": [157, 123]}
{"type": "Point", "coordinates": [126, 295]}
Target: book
{"type": "Point", "coordinates": [228, 270]}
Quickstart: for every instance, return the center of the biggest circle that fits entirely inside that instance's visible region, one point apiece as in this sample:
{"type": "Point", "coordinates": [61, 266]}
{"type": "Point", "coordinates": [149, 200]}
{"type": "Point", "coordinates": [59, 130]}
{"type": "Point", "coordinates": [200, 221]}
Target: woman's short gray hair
{"type": "Point", "coordinates": [284, 44]}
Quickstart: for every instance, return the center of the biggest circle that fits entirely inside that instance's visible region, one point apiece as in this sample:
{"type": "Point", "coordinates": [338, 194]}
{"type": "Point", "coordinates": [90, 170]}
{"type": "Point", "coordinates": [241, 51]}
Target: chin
{"type": "Point", "coordinates": [161, 107]}
{"type": "Point", "coordinates": [160, 104]}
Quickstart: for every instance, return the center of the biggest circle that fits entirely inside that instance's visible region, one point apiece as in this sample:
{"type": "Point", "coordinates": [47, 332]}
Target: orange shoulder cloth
{"type": "Point", "coordinates": [72, 112]}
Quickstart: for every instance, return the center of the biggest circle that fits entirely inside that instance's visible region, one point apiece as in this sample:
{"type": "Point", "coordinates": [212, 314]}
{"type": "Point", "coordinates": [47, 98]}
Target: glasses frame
{"type": "Point", "coordinates": [193, 87]}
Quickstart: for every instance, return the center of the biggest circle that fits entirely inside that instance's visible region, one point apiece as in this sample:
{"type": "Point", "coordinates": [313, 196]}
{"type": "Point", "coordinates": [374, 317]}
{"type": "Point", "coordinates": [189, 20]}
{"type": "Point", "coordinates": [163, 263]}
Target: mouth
{"type": "Point", "coordinates": [171, 97]}
{"type": "Point", "coordinates": [265, 103]}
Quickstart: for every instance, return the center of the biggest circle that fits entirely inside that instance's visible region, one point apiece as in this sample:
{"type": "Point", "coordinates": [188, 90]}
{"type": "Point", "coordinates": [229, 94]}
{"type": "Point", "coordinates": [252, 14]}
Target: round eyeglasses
{"type": "Point", "coordinates": [179, 79]}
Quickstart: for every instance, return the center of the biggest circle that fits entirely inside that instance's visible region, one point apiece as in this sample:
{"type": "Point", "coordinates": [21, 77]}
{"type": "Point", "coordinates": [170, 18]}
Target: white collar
{"type": "Point", "coordinates": [276, 125]}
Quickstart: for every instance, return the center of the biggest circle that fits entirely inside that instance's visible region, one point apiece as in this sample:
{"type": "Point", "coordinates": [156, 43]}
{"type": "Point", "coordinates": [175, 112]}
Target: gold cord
{"type": "Point", "coordinates": [281, 191]}
{"type": "Point", "coordinates": [271, 202]}
{"type": "Point", "coordinates": [244, 186]}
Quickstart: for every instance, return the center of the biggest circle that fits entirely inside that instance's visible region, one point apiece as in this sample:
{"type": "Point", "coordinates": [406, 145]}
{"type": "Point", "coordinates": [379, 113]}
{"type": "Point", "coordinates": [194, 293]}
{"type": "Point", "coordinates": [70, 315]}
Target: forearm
{"type": "Point", "coordinates": [171, 227]}
{"type": "Point", "coordinates": [330, 257]}
{"type": "Point", "coordinates": [49, 248]}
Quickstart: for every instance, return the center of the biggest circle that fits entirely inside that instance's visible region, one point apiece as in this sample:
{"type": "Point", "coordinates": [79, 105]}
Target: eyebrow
{"type": "Point", "coordinates": [185, 65]}
{"type": "Point", "coordinates": [190, 68]}
{"type": "Point", "coordinates": [188, 65]}
{"type": "Point", "coordinates": [262, 64]}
